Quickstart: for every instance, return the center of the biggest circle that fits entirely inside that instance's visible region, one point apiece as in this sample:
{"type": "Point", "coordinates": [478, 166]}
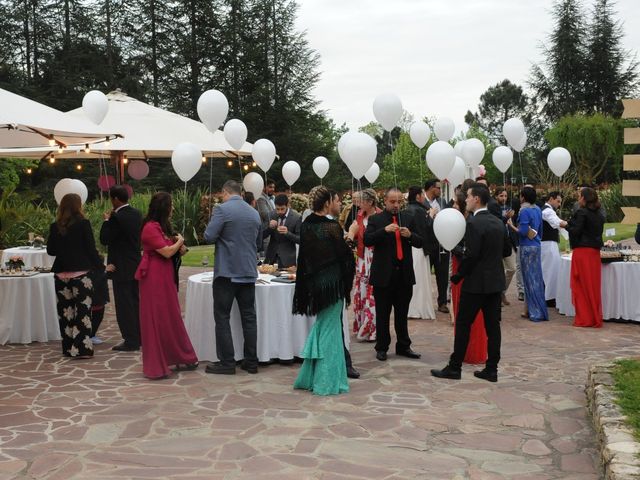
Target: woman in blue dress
{"type": "Point", "coordinates": [324, 278]}
{"type": "Point", "coordinates": [530, 237]}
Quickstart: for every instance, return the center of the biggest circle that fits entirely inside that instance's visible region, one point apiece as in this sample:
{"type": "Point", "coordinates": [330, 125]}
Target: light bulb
{"type": "Point", "coordinates": [28, 171]}
{"type": "Point", "coordinates": [253, 164]}
{"type": "Point", "coordinates": [246, 167]}
{"type": "Point", "coordinates": [87, 149]}
{"type": "Point", "coordinates": [78, 167]}
{"type": "Point", "coordinates": [204, 159]}
{"type": "Point", "coordinates": [52, 142]}
{"type": "Point", "coordinates": [60, 149]}
{"type": "Point", "coordinates": [125, 160]}
{"type": "Point", "coordinates": [230, 163]}
{"type": "Point", "coordinates": [52, 159]}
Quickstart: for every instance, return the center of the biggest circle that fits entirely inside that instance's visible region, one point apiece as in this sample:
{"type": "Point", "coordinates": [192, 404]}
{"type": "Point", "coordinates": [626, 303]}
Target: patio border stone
{"type": "Point", "coordinates": [619, 451]}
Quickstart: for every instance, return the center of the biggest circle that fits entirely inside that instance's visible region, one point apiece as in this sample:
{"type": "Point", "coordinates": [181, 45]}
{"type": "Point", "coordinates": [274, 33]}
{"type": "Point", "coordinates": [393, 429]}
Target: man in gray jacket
{"type": "Point", "coordinates": [235, 229]}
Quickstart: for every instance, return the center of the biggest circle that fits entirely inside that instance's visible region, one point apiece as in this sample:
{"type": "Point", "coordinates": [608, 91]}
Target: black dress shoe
{"type": "Point", "coordinates": [382, 356]}
{"type": "Point", "coordinates": [447, 372]}
{"type": "Point", "coordinates": [408, 353]}
{"type": "Point", "coordinates": [248, 368]}
{"type": "Point", "coordinates": [352, 373]}
{"type": "Point", "coordinates": [125, 347]}
{"type": "Point", "coordinates": [286, 362]}
{"type": "Point", "coordinates": [487, 375]}
{"type": "Point", "coordinates": [220, 369]}
{"type": "Point", "coordinates": [443, 308]}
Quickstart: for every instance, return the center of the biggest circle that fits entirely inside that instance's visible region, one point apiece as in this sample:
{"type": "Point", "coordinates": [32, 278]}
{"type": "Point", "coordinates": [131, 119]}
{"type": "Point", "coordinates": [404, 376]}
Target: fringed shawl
{"type": "Point", "coordinates": [326, 266]}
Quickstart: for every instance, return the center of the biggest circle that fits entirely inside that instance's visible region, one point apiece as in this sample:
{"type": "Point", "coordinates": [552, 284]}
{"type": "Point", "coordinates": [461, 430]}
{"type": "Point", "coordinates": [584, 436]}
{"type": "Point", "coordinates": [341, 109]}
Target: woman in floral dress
{"type": "Point", "coordinates": [364, 305]}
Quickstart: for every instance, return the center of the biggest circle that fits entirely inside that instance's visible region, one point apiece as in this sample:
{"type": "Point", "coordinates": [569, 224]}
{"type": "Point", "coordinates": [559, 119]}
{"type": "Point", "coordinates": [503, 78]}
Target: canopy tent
{"type": "Point", "coordinates": [149, 132]}
{"type": "Point", "coordinates": [26, 123]}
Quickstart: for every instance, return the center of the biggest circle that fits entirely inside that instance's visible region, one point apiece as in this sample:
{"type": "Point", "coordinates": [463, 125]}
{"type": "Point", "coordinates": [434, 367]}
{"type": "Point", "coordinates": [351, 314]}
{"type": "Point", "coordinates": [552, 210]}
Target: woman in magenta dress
{"type": "Point", "coordinates": [477, 348]}
{"type": "Point", "coordinates": [164, 338]}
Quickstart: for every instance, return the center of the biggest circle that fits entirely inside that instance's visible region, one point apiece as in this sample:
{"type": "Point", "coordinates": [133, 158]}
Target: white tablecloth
{"type": "Point", "coordinates": [421, 305]}
{"type": "Point", "coordinates": [620, 299]}
{"type": "Point", "coordinates": [33, 257]}
{"type": "Point", "coordinates": [280, 333]}
{"type": "Point", "coordinates": [28, 309]}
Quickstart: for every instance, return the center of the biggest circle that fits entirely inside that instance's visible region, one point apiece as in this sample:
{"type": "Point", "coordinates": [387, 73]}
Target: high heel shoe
{"type": "Point", "coordinates": [186, 366]}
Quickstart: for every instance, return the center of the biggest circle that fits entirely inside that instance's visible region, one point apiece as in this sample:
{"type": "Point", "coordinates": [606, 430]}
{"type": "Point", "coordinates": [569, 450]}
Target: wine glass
{"type": "Point", "coordinates": [261, 258]}
{"type": "Point", "coordinates": [204, 260]}
{"type": "Point", "coordinates": [31, 237]}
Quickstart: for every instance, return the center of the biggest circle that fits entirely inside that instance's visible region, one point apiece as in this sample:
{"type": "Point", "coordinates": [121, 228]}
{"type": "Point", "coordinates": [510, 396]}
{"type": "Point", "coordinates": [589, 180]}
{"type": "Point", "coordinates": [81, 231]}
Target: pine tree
{"type": "Point", "coordinates": [612, 72]}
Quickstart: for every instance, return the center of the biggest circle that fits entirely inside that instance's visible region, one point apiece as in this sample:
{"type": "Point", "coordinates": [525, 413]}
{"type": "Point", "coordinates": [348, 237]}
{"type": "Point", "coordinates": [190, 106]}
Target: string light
{"type": "Point", "coordinates": [253, 164]}
{"type": "Point", "coordinates": [78, 167]}
{"type": "Point", "coordinates": [28, 171]}
{"type": "Point", "coordinates": [125, 160]}
{"type": "Point", "coordinates": [60, 149]}
{"type": "Point", "coordinates": [230, 163]}
{"type": "Point", "coordinates": [204, 159]}
{"type": "Point", "coordinates": [86, 148]}
{"type": "Point", "coordinates": [246, 167]}
{"type": "Point", "coordinates": [52, 142]}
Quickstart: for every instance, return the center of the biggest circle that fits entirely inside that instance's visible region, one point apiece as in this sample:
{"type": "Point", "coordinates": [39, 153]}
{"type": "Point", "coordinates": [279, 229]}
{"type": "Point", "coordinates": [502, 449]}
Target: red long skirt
{"type": "Point", "coordinates": [477, 348]}
{"type": "Point", "coordinates": [586, 284]}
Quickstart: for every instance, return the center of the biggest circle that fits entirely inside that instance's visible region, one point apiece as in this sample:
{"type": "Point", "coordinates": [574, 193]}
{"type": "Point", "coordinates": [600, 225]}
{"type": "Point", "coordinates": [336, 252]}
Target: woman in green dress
{"type": "Point", "coordinates": [323, 284]}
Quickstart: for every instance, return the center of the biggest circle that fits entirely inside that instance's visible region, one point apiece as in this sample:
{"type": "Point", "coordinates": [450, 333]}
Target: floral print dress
{"type": "Point", "coordinates": [364, 305]}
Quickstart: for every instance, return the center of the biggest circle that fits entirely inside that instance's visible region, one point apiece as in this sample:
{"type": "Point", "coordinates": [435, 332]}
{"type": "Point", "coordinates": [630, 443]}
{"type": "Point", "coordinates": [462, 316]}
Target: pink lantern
{"type": "Point", "coordinates": [105, 182]}
{"type": "Point", "coordinates": [129, 189]}
{"type": "Point", "coordinates": [138, 169]}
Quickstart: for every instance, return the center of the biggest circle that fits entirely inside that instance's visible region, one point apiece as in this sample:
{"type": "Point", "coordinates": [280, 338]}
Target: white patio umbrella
{"type": "Point", "coordinates": [26, 123]}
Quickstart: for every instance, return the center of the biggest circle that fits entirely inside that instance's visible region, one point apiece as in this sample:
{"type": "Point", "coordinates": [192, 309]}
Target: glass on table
{"type": "Point", "coordinates": [204, 260]}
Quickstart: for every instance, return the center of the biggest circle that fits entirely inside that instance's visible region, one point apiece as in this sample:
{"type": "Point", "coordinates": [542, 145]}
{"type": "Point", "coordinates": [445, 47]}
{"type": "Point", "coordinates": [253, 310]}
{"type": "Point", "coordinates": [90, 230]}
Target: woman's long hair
{"type": "Point", "coordinates": [69, 212]}
{"type": "Point", "coordinates": [160, 211]}
{"type": "Point", "coordinates": [590, 198]}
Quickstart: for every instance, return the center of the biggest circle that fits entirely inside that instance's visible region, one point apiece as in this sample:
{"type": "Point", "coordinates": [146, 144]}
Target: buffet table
{"type": "Point", "coordinates": [281, 335]}
{"type": "Point", "coordinates": [620, 299]}
{"type": "Point", "coordinates": [28, 309]}
{"type": "Point", "coordinates": [32, 257]}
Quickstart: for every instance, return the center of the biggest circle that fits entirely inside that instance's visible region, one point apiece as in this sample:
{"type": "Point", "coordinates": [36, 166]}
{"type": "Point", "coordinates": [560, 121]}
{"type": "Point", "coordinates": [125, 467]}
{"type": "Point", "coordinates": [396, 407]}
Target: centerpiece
{"type": "Point", "coordinates": [15, 263]}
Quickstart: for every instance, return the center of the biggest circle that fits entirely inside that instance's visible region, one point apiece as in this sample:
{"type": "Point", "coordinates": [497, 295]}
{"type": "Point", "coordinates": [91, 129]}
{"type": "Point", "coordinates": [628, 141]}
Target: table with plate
{"type": "Point", "coordinates": [32, 257]}
{"type": "Point", "coordinates": [619, 290]}
{"type": "Point", "coordinates": [281, 334]}
{"type": "Point", "coordinates": [28, 309]}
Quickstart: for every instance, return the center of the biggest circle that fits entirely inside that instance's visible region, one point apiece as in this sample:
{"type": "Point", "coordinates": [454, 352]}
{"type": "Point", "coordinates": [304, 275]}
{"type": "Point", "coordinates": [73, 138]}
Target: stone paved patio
{"type": "Point", "coordinates": [100, 419]}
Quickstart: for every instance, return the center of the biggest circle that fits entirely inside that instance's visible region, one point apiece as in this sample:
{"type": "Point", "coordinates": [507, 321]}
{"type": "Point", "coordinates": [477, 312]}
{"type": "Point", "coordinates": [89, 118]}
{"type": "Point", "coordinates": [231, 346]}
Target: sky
{"type": "Point", "coordinates": [438, 56]}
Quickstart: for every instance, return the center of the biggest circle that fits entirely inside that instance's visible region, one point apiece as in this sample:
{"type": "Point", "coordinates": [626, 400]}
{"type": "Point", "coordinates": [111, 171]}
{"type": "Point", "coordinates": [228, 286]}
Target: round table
{"type": "Point", "coordinates": [28, 309]}
{"type": "Point", "coordinates": [619, 290]}
{"type": "Point", "coordinates": [281, 334]}
{"type": "Point", "coordinates": [33, 257]}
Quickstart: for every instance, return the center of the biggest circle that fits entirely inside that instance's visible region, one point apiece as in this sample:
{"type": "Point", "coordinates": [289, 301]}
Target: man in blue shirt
{"type": "Point", "coordinates": [235, 229]}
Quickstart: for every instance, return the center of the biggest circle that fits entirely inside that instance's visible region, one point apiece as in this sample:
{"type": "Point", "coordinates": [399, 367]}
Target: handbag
{"type": "Point", "coordinates": [531, 233]}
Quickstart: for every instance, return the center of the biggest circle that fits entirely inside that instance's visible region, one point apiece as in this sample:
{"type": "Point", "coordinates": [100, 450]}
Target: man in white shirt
{"type": "Point", "coordinates": [551, 225]}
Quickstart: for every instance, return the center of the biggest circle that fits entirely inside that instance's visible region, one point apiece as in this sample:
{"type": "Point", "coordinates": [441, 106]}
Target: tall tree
{"type": "Point", "coordinates": [559, 81]}
{"type": "Point", "coordinates": [611, 71]}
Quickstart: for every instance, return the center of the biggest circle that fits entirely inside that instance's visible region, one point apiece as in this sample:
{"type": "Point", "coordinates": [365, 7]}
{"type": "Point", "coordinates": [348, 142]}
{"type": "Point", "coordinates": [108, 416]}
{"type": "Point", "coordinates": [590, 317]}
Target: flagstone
{"type": "Point", "coordinates": [564, 426]}
{"type": "Point", "coordinates": [527, 420]}
{"type": "Point", "coordinates": [12, 467]}
{"type": "Point", "coordinates": [577, 462]}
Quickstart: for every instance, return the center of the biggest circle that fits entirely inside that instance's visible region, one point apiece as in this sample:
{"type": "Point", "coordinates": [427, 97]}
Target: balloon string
{"type": "Point", "coordinates": [210, 185]}
{"type": "Point", "coordinates": [395, 176]}
{"type": "Point", "coordinates": [521, 170]}
{"type": "Point", "coordinates": [420, 163]}
{"type": "Point", "coordinates": [184, 209]}
{"type": "Point", "coordinates": [240, 166]}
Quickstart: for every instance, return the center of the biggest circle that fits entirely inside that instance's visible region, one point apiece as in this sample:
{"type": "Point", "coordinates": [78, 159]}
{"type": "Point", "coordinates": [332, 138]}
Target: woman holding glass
{"type": "Point", "coordinates": [164, 337]}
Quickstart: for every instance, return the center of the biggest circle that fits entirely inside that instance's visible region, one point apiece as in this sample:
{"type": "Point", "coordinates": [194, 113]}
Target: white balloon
{"type": "Point", "coordinates": [473, 152]}
{"type": "Point", "coordinates": [444, 129]}
{"type": "Point", "coordinates": [291, 172]}
{"type": "Point", "coordinates": [342, 142]}
{"type": "Point", "coordinates": [78, 187]}
{"type": "Point", "coordinates": [520, 144]}
{"type": "Point", "coordinates": [235, 133]}
{"type": "Point", "coordinates": [449, 227]}
{"type": "Point", "coordinates": [186, 160]}
{"type": "Point", "coordinates": [213, 108]}
{"type": "Point", "coordinates": [359, 152]}
{"type": "Point", "coordinates": [320, 166]}
{"type": "Point", "coordinates": [458, 147]}
{"type": "Point", "coordinates": [138, 169]}
{"type": "Point", "coordinates": [420, 134]}
{"type": "Point", "coordinates": [253, 183]}
{"type": "Point", "coordinates": [387, 108]}
{"type": "Point", "coordinates": [440, 159]}
{"type": "Point", "coordinates": [61, 189]}
{"type": "Point", "coordinates": [373, 173]}
{"type": "Point", "coordinates": [513, 129]}
{"type": "Point", "coordinates": [264, 153]}
{"type": "Point", "coordinates": [559, 160]}
{"type": "Point", "coordinates": [95, 106]}
{"type": "Point", "coordinates": [502, 158]}
{"type": "Point", "coordinates": [457, 173]}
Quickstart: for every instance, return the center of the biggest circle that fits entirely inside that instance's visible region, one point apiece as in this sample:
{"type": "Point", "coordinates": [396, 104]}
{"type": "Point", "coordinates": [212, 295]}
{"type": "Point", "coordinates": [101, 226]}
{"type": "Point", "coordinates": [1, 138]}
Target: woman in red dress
{"type": "Point", "coordinates": [477, 348]}
{"type": "Point", "coordinates": [164, 338]}
{"type": "Point", "coordinates": [585, 237]}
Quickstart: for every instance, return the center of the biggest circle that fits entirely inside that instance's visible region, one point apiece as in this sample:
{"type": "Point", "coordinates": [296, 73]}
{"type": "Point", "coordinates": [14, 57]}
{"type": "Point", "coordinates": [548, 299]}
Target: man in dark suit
{"type": "Point", "coordinates": [483, 274]}
{"type": "Point", "coordinates": [284, 233]}
{"type": "Point", "coordinates": [120, 233]}
{"type": "Point", "coordinates": [265, 206]}
{"type": "Point", "coordinates": [438, 257]}
{"type": "Point", "coordinates": [392, 233]}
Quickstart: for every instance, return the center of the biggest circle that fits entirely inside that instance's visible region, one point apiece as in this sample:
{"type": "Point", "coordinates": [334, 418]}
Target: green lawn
{"type": "Point", "coordinates": [627, 384]}
{"type": "Point", "coordinates": [193, 258]}
{"type": "Point", "coordinates": [622, 233]}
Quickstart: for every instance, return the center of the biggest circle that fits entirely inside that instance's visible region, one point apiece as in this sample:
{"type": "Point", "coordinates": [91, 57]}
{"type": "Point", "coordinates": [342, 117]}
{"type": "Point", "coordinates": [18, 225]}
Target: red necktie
{"type": "Point", "coordinates": [399, 254]}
